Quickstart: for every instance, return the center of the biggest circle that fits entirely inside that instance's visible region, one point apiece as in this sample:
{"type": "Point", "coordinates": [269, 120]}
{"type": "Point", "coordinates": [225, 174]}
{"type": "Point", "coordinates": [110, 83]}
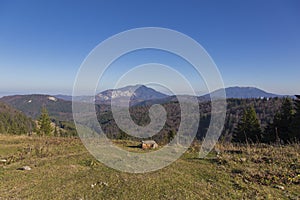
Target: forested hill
{"type": "Point", "coordinates": [13, 121]}
{"type": "Point", "coordinates": [31, 105]}
{"type": "Point", "coordinates": [265, 108]}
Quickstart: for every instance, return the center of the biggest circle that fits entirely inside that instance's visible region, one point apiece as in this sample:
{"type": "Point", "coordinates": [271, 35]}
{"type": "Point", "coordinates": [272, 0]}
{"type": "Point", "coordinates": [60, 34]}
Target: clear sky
{"type": "Point", "coordinates": [253, 43]}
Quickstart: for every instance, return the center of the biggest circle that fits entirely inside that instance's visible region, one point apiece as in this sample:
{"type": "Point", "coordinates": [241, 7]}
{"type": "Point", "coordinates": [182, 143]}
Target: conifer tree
{"type": "Point", "coordinates": [295, 125]}
{"type": "Point", "coordinates": [248, 128]}
{"type": "Point", "coordinates": [280, 129]}
{"type": "Point", "coordinates": [44, 122]}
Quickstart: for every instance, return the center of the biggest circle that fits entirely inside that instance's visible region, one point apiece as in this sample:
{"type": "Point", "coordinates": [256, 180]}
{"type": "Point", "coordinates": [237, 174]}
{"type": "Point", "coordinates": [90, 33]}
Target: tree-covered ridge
{"type": "Point", "coordinates": [265, 109]}
{"type": "Point", "coordinates": [13, 121]}
{"type": "Point", "coordinates": [32, 105]}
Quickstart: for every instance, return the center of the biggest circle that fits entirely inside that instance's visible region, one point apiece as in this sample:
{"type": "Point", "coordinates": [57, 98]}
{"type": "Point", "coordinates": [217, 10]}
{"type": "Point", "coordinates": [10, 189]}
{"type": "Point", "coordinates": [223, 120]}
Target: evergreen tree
{"type": "Point", "coordinates": [248, 128]}
{"type": "Point", "coordinates": [280, 128]}
{"type": "Point", "coordinates": [270, 134]}
{"type": "Point", "coordinates": [44, 122]}
{"type": "Point", "coordinates": [295, 125]}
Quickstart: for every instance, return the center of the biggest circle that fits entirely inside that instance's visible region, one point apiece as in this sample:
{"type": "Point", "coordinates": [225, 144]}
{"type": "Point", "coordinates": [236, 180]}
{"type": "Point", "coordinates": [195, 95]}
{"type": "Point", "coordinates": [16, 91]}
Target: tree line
{"type": "Point", "coordinates": [247, 120]}
{"type": "Point", "coordinates": [15, 122]}
{"type": "Point", "coordinates": [284, 127]}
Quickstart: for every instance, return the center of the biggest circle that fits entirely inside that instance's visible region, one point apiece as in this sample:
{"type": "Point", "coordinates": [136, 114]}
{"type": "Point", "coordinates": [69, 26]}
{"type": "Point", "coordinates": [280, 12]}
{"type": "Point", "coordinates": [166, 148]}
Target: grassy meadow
{"type": "Point", "coordinates": [61, 168]}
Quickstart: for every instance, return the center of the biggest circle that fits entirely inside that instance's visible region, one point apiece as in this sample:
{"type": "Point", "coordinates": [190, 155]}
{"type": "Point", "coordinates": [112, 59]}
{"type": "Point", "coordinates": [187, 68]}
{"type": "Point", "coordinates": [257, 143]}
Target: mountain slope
{"type": "Point", "coordinates": [75, 98]}
{"type": "Point", "coordinates": [31, 105]}
{"type": "Point", "coordinates": [13, 121]}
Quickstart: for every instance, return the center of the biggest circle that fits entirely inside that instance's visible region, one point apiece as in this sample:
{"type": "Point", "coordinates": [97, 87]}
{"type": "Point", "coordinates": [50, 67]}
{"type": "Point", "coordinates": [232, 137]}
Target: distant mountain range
{"type": "Point", "coordinates": [60, 106]}
{"type": "Point", "coordinates": [140, 93]}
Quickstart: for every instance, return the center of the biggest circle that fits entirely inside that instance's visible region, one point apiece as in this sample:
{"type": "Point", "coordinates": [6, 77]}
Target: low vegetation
{"type": "Point", "coordinates": [61, 168]}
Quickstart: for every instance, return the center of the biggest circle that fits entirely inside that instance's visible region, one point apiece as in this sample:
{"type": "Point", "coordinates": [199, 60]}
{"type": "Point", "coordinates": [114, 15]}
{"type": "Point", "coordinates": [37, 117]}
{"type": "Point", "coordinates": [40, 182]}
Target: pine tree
{"type": "Point", "coordinates": [44, 122]}
{"type": "Point", "coordinates": [270, 134]}
{"type": "Point", "coordinates": [295, 125]}
{"type": "Point", "coordinates": [280, 129]}
{"type": "Point", "coordinates": [248, 128]}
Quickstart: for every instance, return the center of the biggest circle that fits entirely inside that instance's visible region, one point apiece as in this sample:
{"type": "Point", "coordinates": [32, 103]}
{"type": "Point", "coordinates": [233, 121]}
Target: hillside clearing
{"type": "Point", "coordinates": [63, 169]}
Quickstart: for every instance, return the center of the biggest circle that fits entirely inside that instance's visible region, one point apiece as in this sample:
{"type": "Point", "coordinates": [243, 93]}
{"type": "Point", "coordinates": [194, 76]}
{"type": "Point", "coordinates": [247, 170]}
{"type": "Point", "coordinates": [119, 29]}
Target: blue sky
{"type": "Point", "coordinates": [253, 43]}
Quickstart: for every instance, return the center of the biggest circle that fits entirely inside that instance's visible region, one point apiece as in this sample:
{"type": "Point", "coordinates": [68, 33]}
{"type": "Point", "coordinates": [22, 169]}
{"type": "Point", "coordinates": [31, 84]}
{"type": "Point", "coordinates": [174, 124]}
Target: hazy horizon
{"type": "Point", "coordinates": [198, 93]}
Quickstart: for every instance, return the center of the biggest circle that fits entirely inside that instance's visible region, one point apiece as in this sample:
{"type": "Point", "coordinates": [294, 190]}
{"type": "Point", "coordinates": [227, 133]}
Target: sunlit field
{"type": "Point", "coordinates": [61, 168]}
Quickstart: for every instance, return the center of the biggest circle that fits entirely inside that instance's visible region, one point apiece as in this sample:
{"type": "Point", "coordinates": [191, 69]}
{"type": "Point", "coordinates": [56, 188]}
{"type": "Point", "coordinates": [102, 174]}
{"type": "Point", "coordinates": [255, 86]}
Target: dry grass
{"type": "Point", "coordinates": [63, 169]}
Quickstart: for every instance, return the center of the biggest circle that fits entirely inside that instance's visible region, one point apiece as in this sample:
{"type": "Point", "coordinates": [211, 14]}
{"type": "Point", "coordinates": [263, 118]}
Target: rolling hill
{"type": "Point", "coordinates": [243, 93]}
{"type": "Point", "coordinates": [31, 105]}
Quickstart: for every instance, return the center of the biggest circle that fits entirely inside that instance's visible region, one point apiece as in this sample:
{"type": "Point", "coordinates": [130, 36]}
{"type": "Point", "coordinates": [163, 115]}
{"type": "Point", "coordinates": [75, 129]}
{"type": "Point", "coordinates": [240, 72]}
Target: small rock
{"type": "Point", "coordinates": [279, 187]}
{"type": "Point", "coordinates": [243, 159]}
{"type": "Point", "coordinates": [104, 183]}
{"type": "Point", "coordinates": [100, 183]}
{"type": "Point", "coordinates": [246, 180]}
{"type": "Point", "coordinates": [27, 168]}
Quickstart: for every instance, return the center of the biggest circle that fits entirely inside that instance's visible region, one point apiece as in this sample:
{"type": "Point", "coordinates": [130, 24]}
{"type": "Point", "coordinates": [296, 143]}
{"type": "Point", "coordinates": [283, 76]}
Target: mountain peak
{"type": "Point", "coordinates": [137, 93]}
